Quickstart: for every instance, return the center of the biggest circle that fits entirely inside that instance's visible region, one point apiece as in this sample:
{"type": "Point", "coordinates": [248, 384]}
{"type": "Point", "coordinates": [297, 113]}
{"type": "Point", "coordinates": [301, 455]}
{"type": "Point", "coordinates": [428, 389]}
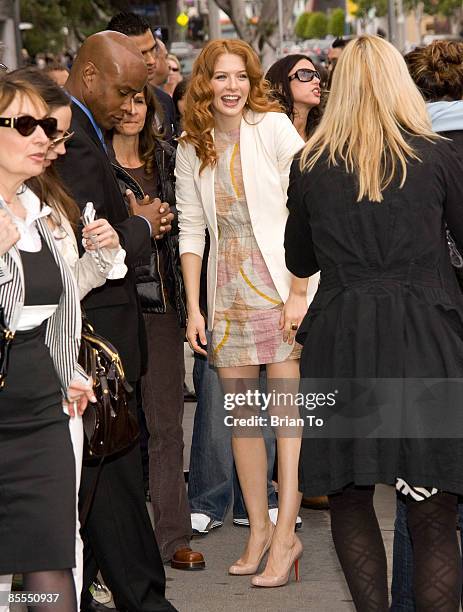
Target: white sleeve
{"type": "Point", "coordinates": [287, 144]}
{"type": "Point", "coordinates": [191, 221]}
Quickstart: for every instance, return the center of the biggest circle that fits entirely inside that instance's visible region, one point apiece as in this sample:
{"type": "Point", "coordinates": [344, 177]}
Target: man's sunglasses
{"type": "Point", "coordinates": [55, 142]}
{"type": "Point", "coordinates": [305, 75]}
{"type": "Point", "coordinates": [26, 124]}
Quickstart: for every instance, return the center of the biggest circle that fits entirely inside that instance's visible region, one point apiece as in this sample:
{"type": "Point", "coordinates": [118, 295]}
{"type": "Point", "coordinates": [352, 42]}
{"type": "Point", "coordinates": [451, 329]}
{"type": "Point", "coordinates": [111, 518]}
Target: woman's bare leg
{"type": "Point", "coordinates": [250, 460]}
{"type": "Point", "coordinates": [284, 378]}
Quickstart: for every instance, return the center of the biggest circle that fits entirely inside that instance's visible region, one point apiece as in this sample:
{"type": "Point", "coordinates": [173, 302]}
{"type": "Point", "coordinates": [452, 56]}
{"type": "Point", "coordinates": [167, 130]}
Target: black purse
{"type": "Point", "coordinates": [109, 426]}
{"type": "Point", "coordinates": [6, 338]}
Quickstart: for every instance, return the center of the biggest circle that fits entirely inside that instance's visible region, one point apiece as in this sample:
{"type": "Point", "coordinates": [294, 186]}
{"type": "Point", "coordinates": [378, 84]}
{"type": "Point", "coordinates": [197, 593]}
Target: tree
{"type": "Point", "coordinates": [336, 22]}
{"type": "Point", "coordinates": [365, 6]}
{"type": "Point", "coordinates": [317, 26]}
{"type": "Point", "coordinates": [301, 25]}
{"type": "Point", "coordinates": [264, 36]}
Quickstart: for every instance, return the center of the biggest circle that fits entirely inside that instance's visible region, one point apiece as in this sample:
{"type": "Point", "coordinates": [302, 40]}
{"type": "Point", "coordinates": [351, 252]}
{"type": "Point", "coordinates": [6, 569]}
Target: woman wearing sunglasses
{"type": "Point", "coordinates": [175, 74]}
{"type": "Point", "coordinates": [232, 174]}
{"type": "Point", "coordinates": [41, 309]}
{"type": "Point", "coordinates": [296, 84]}
{"type": "Point", "coordinates": [103, 258]}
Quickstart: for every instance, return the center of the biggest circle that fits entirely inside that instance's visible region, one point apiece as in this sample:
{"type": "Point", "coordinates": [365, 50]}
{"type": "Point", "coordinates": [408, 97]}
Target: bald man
{"type": "Point", "coordinates": [119, 541]}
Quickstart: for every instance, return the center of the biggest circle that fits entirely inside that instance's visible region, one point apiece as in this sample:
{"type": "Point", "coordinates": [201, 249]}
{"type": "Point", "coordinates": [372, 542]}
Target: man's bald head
{"type": "Point", "coordinates": [107, 72]}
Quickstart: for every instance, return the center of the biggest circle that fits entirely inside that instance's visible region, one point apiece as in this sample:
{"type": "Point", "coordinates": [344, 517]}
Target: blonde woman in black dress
{"type": "Point", "coordinates": [369, 202]}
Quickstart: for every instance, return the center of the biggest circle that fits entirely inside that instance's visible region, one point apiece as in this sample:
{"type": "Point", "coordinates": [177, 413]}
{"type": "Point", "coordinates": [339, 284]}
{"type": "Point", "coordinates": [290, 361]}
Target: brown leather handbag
{"type": "Point", "coordinates": [109, 426]}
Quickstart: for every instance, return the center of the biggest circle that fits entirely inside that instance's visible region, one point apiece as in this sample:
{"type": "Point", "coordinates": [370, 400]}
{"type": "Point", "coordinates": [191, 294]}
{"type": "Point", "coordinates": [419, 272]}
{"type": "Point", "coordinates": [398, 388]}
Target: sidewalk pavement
{"type": "Point", "coordinates": [322, 587]}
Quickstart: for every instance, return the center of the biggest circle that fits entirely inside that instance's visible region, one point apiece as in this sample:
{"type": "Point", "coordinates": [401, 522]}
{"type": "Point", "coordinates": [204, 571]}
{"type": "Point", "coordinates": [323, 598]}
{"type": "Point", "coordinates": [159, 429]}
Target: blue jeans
{"type": "Point", "coordinates": [212, 481]}
{"type": "Point", "coordinates": [403, 599]}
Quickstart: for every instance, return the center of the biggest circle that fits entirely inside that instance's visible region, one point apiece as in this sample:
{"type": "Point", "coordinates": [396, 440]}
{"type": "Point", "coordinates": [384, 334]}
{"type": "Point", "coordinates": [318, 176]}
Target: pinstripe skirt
{"type": "Point", "coordinates": [37, 473]}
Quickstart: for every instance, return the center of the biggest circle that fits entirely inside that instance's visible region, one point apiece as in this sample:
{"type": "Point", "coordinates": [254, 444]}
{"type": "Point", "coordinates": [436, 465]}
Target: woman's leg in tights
{"type": "Point", "coordinates": [360, 547]}
{"type": "Point", "coordinates": [437, 560]}
{"type": "Point", "coordinates": [60, 582]}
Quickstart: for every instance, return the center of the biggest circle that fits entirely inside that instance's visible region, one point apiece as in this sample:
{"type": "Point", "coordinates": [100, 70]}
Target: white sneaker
{"type": "Point", "coordinates": [201, 524]}
{"type": "Point", "coordinates": [273, 514]}
{"type": "Point", "coordinates": [101, 593]}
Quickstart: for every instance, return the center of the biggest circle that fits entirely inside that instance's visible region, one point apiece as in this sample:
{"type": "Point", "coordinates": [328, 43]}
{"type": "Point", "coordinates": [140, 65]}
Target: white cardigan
{"type": "Point", "coordinates": [268, 143]}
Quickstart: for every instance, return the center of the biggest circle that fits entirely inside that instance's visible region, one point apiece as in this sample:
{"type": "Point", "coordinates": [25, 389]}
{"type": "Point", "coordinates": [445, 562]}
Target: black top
{"type": "Point", "coordinates": [388, 307]}
{"type": "Point", "coordinates": [112, 308]}
{"type": "Point", "coordinates": [42, 278]}
{"type": "Point", "coordinates": [168, 109]}
{"type": "Point", "coordinates": [379, 262]}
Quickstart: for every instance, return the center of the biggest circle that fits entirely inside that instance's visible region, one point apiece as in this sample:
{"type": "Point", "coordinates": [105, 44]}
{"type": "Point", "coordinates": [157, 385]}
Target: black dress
{"type": "Point", "coordinates": [37, 473]}
{"type": "Point", "coordinates": [388, 307]}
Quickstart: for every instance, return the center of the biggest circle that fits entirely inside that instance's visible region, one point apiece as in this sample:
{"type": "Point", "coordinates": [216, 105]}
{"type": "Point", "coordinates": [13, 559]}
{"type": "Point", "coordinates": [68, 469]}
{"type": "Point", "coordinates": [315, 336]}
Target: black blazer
{"type": "Point", "coordinates": [169, 122]}
{"type": "Point", "coordinates": [112, 308]}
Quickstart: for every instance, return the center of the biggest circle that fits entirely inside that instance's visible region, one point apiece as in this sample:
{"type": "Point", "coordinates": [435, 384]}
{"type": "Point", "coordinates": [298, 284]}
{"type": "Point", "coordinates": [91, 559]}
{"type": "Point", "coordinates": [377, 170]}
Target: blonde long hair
{"type": "Point", "coordinates": [372, 104]}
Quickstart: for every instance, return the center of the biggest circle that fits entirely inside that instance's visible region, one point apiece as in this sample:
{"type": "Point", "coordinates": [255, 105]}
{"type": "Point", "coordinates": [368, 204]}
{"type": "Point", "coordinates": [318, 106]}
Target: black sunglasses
{"type": "Point", "coordinates": [305, 75]}
{"type": "Point", "coordinates": [26, 124]}
{"type": "Point", "coordinates": [55, 142]}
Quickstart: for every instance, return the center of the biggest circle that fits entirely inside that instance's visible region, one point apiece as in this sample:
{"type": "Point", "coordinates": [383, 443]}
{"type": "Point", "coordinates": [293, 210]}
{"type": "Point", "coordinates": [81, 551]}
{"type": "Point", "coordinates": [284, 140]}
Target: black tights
{"type": "Point", "coordinates": [60, 582]}
{"type": "Point", "coordinates": [360, 548]}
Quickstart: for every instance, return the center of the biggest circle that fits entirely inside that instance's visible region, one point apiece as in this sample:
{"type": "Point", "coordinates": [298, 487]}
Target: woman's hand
{"type": "Point", "coordinates": [100, 234]}
{"type": "Point", "coordinates": [196, 329]}
{"type": "Point", "coordinates": [80, 392]}
{"type": "Point", "coordinates": [9, 233]}
{"type": "Point", "coordinates": [292, 314]}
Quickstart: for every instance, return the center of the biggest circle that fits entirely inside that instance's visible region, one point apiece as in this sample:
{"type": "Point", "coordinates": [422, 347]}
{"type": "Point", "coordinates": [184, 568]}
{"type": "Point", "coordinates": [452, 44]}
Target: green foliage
{"type": "Point", "coordinates": [365, 5]}
{"type": "Point", "coordinates": [336, 22]}
{"type": "Point", "coordinates": [317, 25]}
{"type": "Point", "coordinates": [301, 25]}
{"type": "Point", "coordinates": [49, 17]}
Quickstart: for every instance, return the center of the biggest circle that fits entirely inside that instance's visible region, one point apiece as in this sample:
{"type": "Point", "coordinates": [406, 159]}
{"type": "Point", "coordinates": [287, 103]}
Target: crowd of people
{"type": "Point", "coordinates": [299, 229]}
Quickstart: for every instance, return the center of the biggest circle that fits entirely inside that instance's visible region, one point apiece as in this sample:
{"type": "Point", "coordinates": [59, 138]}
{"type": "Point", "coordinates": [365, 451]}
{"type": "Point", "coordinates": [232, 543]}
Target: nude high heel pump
{"type": "Point", "coordinates": [276, 581]}
{"type": "Point", "coordinates": [246, 569]}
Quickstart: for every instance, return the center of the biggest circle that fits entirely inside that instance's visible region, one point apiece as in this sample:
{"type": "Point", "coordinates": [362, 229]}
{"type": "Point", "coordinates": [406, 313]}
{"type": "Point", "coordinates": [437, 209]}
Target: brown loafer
{"type": "Point", "coordinates": [316, 503]}
{"type": "Point", "coordinates": [187, 559]}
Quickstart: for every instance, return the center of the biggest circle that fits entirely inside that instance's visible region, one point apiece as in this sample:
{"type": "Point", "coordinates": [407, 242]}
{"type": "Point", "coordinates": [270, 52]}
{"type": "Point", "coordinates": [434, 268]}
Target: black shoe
{"type": "Point", "coordinates": [95, 606]}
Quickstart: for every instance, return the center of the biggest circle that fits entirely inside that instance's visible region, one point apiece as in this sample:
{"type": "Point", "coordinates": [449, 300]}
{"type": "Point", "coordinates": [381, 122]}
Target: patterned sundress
{"type": "Point", "coordinates": [248, 306]}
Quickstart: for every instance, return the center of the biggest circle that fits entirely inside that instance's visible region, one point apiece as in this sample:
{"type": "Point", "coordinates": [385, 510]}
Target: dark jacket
{"type": "Point", "coordinates": [152, 286]}
{"type": "Point", "coordinates": [114, 307]}
{"type": "Point", "coordinates": [169, 127]}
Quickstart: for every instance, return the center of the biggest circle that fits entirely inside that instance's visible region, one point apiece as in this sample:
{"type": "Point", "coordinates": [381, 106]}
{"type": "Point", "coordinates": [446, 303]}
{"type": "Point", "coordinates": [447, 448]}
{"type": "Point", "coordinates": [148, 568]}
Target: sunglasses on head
{"type": "Point", "coordinates": [55, 142]}
{"type": "Point", "coordinates": [305, 75]}
{"type": "Point", "coordinates": [26, 124]}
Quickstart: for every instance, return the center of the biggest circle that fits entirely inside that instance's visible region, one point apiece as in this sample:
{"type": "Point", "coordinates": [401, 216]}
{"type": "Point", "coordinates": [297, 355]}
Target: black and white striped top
{"type": "Point", "coordinates": [63, 329]}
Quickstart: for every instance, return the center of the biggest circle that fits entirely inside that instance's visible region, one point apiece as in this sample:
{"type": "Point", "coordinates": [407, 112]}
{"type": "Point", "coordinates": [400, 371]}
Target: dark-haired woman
{"type": "Point", "coordinates": [150, 161]}
{"type": "Point", "coordinates": [296, 84]}
{"type": "Point", "coordinates": [437, 70]}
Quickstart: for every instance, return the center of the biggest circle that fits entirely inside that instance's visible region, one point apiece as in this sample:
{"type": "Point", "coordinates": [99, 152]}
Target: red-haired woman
{"type": "Point", "coordinates": [232, 174]}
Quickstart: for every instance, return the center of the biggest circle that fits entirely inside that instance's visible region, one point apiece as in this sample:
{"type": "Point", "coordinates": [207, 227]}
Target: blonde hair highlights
{"type": "Point", "coordinates": [372, 104]}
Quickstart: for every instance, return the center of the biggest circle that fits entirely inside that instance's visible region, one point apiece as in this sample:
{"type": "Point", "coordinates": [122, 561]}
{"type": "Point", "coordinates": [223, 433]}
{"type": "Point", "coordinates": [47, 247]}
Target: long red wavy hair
{"type": "Point", "coordinates": [198, 120]}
